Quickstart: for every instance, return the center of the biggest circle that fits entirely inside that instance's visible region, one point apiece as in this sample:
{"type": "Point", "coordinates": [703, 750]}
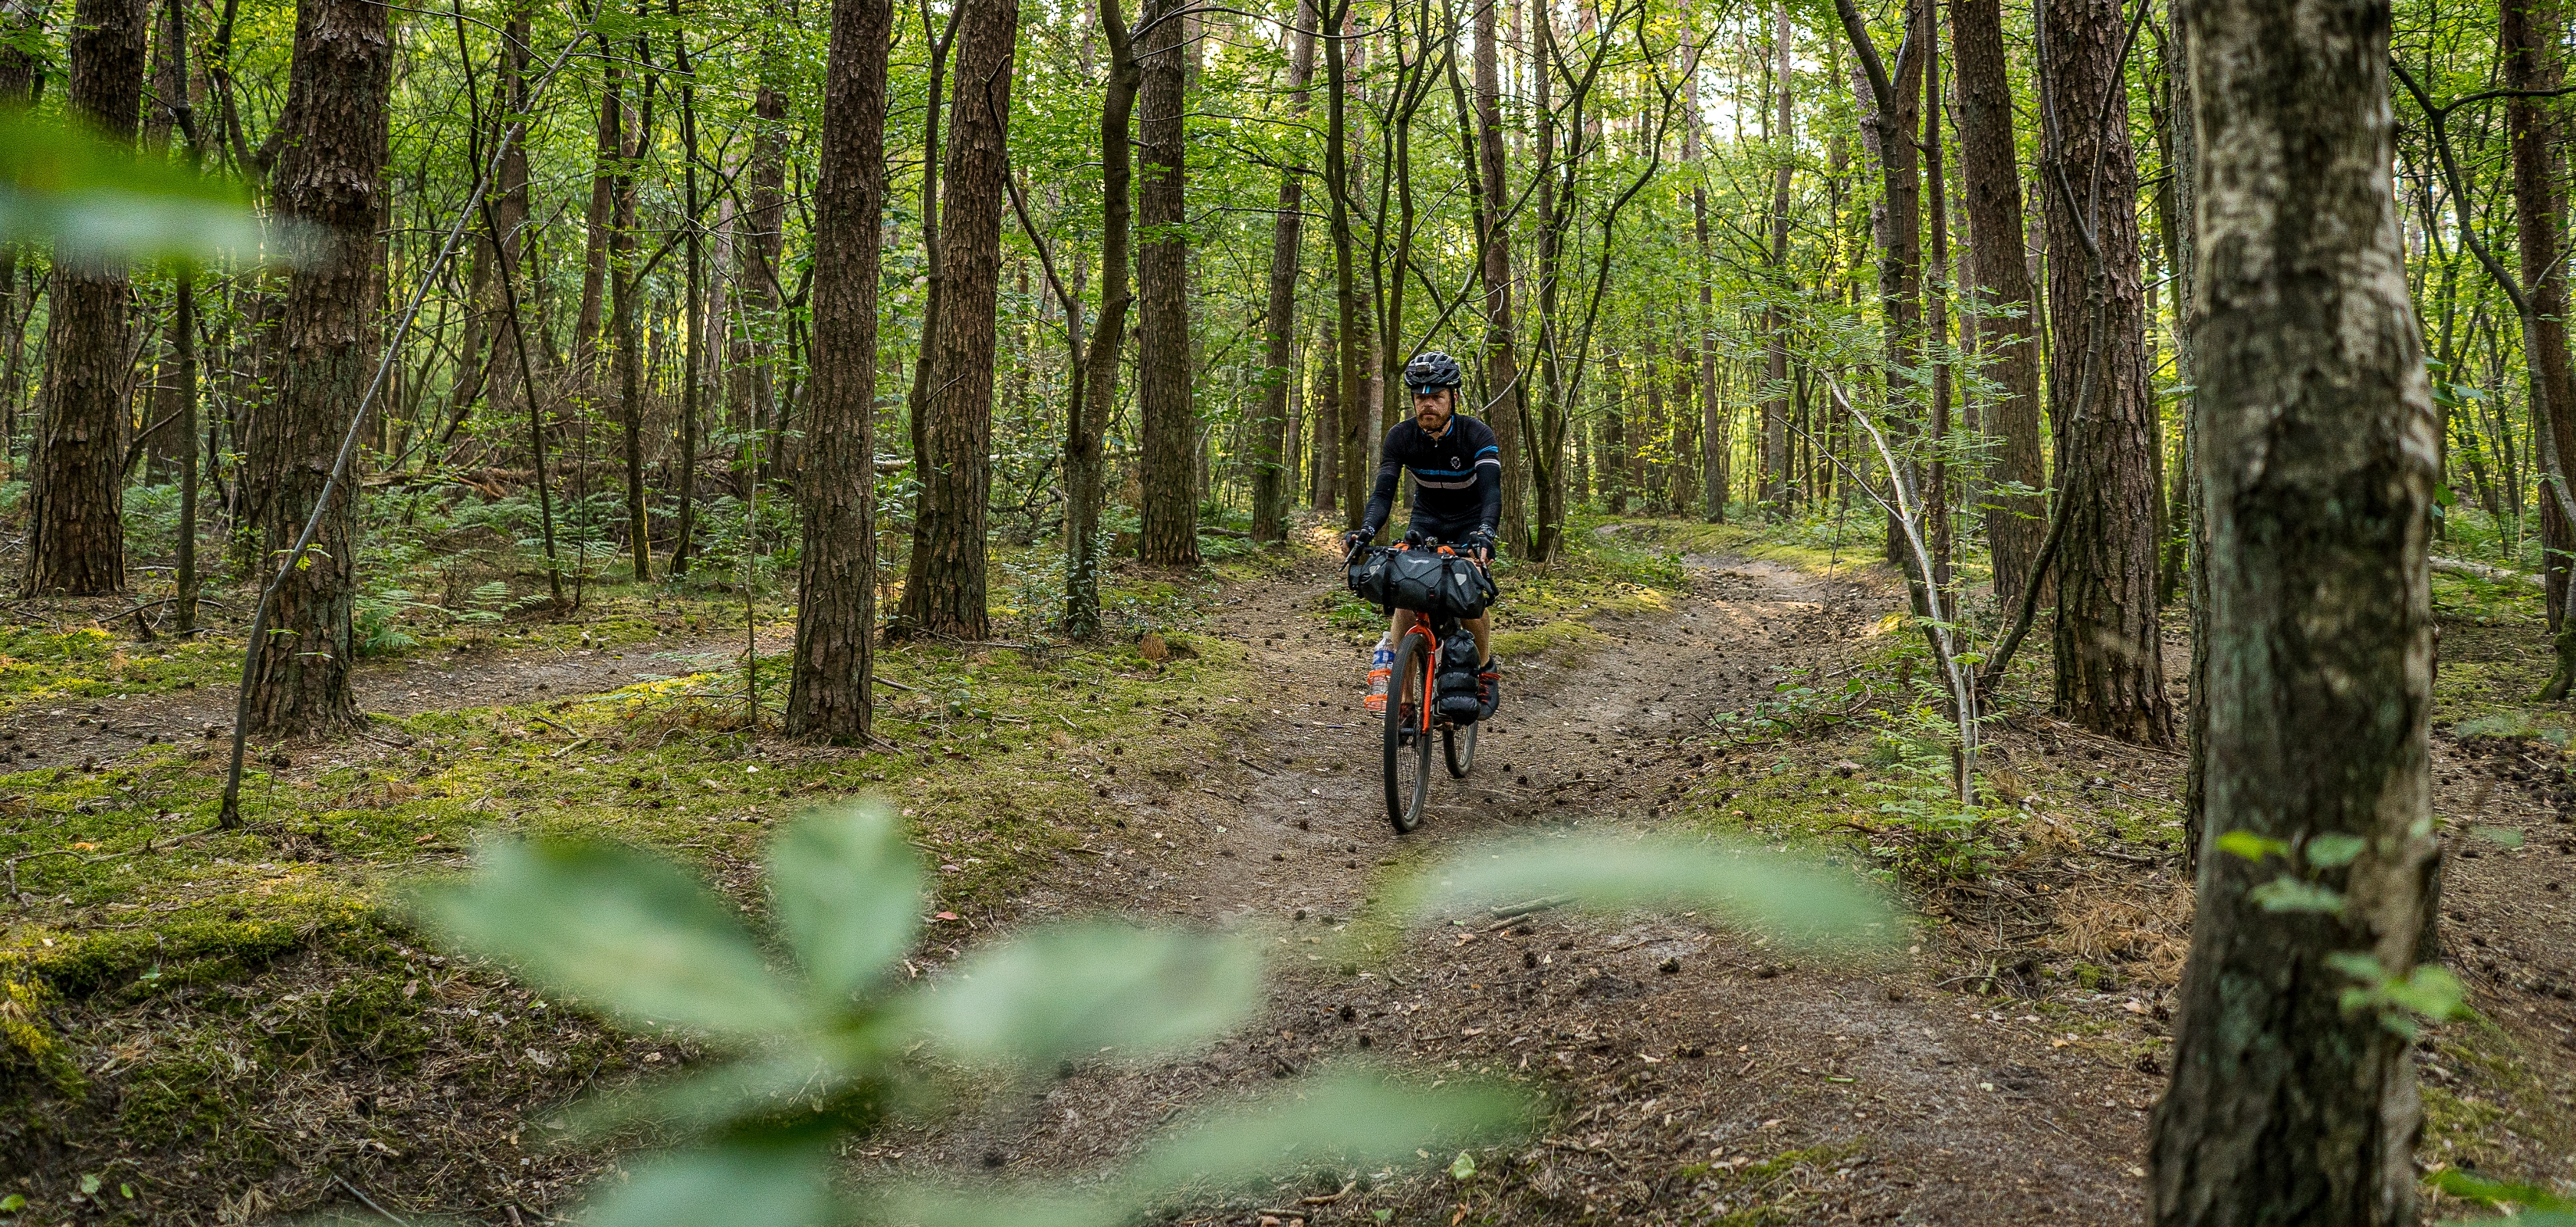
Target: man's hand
{"type": "Point", "coordinates": [1353, 540]}
{"type": "Point", "coordinates": [1481, 542]}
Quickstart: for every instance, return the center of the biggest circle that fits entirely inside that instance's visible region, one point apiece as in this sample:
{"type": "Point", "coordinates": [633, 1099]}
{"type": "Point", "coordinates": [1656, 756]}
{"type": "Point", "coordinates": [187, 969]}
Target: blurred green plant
{"type": "Point", "coordinates": [846, 1040]}
{"type": "Point", "coordinates": [2533, 1206]}
{"type": "Point", "coordinates": [101, 201]}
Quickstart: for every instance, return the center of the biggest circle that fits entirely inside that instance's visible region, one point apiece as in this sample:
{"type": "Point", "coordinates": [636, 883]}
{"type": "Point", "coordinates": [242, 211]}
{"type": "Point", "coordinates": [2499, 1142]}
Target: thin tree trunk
{"type": "Point", "coordinates": [2109, 663]}
{"type": "Point", "coordinates": [1507, 394]}
{"type": "Point", "coordinates": [624, 287]}
{"type": "Point", "coordinates": [2015, 513]}
{"type": "Point", "coordinates": [828, 692]}
{"type": "Point", "coordinates": [1897, 222]}
{"type": "Point", "coordinates": [1169, 512]}
{"type": "Point", "coordinates": [2289, 1104]}
{"type": "Point", "coordinates": [944, 589]}
{"type": "Point", "coordinates": [917, 406]}
{"type": "Point", "coordinates": [1274, 464]}
{"type": "Point", "coordinates": [1775, 390]}
{"type": "Point", "coordinates": [329, 177]}
{"type": "Point", "coordinates": [76, 494]}
{"type": "Point", "coordinates": [2528, 32]}
{"type": "Point", "coordinates": [1934, 494]}
{"type": "Point", "coordinates": [1353, 392]}
{"type": "Point", "coordinates": [693, 323]}
{"type": "Point", "coordinates": [610, 146]}
{"type": "Point", "coordinates": [1085, 478]}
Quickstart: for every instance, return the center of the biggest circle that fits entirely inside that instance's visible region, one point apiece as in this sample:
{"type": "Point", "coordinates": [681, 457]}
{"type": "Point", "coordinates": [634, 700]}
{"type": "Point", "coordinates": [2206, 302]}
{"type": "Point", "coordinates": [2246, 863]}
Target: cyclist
{"type": "Point", "coordinates": [1457, 487]}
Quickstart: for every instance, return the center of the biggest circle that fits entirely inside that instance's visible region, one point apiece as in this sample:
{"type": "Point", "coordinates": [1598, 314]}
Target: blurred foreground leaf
{"type": "Point", "coordinates": [617, 927]}
{"type": "Point", "coordinates": [1072, 990]}
{"type": "Point", "coordinates": [1788, 895]}
{"type": "Point", "coordinates": [1357, 1119]}
{"type": "Point", "coordinates": [100, 201]}
{"type": "Point", "coordinates": [776, 1186]}
{"type": "Point", "coordinates": [848, 889]}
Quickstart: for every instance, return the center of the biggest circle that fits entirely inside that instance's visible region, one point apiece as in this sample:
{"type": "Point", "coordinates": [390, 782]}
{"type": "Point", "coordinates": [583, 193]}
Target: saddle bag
{"type": "Point", "coordinates": [1455, 681]}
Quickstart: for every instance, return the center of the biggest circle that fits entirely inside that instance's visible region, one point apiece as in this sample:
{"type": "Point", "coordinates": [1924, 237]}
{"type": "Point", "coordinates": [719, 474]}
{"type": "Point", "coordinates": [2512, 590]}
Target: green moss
{"type": "Point", "coordinates": [42, 665]}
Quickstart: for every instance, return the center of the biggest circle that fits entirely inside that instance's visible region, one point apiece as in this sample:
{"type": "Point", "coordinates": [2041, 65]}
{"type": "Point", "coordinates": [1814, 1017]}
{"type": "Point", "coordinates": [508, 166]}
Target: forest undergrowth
{"type": "Point", "coordinates": [213, 1026]}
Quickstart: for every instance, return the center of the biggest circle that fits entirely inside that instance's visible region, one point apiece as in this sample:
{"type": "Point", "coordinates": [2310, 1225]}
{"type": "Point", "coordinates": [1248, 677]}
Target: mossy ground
{"type": "Point", "coordinates": [187, 1011]}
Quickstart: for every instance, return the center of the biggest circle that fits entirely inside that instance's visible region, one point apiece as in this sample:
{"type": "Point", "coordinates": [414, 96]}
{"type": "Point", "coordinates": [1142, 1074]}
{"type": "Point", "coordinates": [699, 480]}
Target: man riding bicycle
{"type": "Point", "coordinates": [1457, 488]}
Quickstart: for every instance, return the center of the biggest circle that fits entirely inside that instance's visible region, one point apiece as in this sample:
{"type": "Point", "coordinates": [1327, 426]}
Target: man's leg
{"type": "Point", "coordinates": [1482, 627]}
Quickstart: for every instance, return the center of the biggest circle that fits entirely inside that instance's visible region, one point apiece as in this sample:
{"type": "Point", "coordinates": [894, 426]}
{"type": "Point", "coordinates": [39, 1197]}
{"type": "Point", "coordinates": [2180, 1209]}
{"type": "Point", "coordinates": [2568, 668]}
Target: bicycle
{"type": "Point", "coordinates": [1413, 709]}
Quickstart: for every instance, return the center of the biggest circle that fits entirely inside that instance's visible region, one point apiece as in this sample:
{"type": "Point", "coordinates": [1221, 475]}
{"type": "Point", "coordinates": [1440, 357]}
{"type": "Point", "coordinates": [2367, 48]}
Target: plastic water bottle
{"type": "Point", "coordinates": [1381, 667]}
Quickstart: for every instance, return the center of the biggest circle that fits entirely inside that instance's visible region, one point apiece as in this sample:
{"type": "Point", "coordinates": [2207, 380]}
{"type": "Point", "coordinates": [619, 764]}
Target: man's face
{"type": "Point", "coordinates": [1431, 408]}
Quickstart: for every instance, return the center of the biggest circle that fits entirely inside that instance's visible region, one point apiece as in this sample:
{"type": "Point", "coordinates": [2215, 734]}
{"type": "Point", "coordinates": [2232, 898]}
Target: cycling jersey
{"type": "Point", "coordinates": [1457, 478]}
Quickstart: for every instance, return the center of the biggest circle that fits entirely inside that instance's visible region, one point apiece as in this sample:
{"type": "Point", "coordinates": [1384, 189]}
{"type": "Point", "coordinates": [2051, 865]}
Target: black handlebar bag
{"type": "Point", "coordinates": [1424, 581]}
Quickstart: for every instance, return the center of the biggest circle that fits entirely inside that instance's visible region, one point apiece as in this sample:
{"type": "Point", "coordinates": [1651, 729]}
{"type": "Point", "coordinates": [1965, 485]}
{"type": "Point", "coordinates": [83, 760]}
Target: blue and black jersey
{"type": "Point", "coordinates": [1457, 478]}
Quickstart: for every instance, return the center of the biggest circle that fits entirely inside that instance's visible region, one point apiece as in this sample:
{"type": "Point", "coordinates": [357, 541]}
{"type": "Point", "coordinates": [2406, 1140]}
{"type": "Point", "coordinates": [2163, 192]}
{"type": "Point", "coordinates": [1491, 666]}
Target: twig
{"type": "Point", "coordinates": [1517, 910]}
{"type": "Point", "coordinates": [369, 1202]}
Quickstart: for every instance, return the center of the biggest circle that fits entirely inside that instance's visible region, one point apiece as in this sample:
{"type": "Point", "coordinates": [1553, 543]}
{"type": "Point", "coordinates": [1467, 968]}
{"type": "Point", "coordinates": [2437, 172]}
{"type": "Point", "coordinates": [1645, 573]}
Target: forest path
{"type": "Point", "coordinates": [1697, 1075]}
{"type": "Point", "coordinates": [64, 732]}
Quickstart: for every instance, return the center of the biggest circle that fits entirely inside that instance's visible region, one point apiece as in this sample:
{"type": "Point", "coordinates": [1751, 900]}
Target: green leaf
{"type": "Point", "coordinates": [628, 931]}
{"type": "Point", "coordinates": [99, 201]}
{"type": "Point", "coordinates": [739, 1185]}
{"type": "Point", "coordinates": [1072, 990]}
{"type": "Point", "coordinates": [2551, 1208]}
{"type": "Point", "coordinates": [1356, 1119]}
{"type": "Point", "coordinates": [2333, 851]}
{"type": "Point", "coordinates": [13, 1203]}
{"type": "Point", "coordinates": [2502, 837]}
{"type": "Point", "coordinates": [88, 1184]}
{"type": "Point", "coordinates": [1463, 1166]}
{"type": "Point", "coordinates": [798, 1079]}
{"type": "Point", "coordinates": [848, 889]}
{"type": "Point", "coordinates": [2432, 992]}
{"type": "Point", "coordinates": [2288, 894]}
{"type": "Point", "coordinates": [2251, 846]}
{"type": "Point", "coordinates": [1789, 895]}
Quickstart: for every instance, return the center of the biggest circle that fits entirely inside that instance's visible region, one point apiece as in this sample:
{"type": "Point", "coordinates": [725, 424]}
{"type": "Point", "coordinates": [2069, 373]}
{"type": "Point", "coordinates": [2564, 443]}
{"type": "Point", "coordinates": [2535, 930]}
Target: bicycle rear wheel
{"type": "Point", "coordinates": [1458, 746]}
{"type": "Point", "coordinates": [1408, 743]}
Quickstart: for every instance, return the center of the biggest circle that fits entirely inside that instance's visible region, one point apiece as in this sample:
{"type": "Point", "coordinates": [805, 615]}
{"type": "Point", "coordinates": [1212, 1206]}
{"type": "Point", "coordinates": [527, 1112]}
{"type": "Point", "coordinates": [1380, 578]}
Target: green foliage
{"type": "Point", "coordinates": [2429, 992]}
{"type": "Point", "coordinates": [97, 200]}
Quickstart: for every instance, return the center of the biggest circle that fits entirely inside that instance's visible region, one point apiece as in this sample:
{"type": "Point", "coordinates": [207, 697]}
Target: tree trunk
{"type": "Point", "coordinates": [693, 362]}
{"type": "Point", "coordinates": [828, 696]}
{"type": "Point", "coordinates": [76, 490]}
{"type": "Point", "coordinates": [1170, 511]}
{"type": "Point", "coordinates": [329, 178]}
{"type": "Point", "coordinates": [917, 406]}
{"type": "Point", "coordinates": [1085, 479]}
{"type": "Point", "coordinates": [610, 153]}
{"type": "Point", "coordinates": [1352, 393]}
{"type": "Point", "coordinates": [760, 237]}
{"type": "Point", "coordinates": [2015, 513]}
{"type": "Point", "coordinates": [2287, 1105]}
{"type": "Point", "coordinates": [1775, 326]}
{"type": "Point", "coordinates": [943, 592]}
{"type": "Point", "coordinates": [1888, 132]}
{"type": "Point", "coordinates": [624, 287]}
{"type": "Point", "coordinates": [1508, 408]}
{"type": "Point", "coordinates": [2109, 666]}
{"type": "Point", "coordinates": [2527, 47]}
{"type": "Point", "coordinates": [1273, 463]}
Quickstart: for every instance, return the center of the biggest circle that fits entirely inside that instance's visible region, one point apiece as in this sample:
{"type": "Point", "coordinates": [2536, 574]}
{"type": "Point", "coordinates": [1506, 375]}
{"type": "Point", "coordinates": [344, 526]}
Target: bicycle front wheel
{"type": "Point", "coordinates": [1408, 739]}
{"type": "Point", "coordinates": [1458, 746]}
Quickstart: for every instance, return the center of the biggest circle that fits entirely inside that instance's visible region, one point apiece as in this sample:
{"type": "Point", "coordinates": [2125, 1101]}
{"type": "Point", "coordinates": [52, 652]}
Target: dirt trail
{"type": "Point", "coordinates": [67, 732]}
{"type": "Point", "coordinates": [1697, 1075]}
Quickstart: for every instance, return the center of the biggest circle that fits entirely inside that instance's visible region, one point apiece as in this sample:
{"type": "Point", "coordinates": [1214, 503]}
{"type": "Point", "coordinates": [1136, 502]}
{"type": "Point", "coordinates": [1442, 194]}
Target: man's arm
{"type": "Point", "coordinates": [1489, 482]}
{"type": "Point", "coordinates": [1382, 498]}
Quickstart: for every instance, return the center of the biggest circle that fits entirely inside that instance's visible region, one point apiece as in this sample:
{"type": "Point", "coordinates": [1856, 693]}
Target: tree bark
{"type": "Point", "coordinates": [1352, 392]}
{"type": "Point", "coordinates": [1775, 325]}
{"type": "Point", "coordinates": [828, 696]}
{"type": "Point", "coordinates": [329, 177]}
{"type": "Point", "coordinates": [624, 287]}
{"type": "Point", "coordinates": [1170, 510]}
{"type": "Point", "coordinates": [917, 406]}
{"type": "Point", "coordinates": [76, 491]}
{"type": "Point", "coordinates": [693, 340]}
{"type": "Point", "coordinates": [1085, 478]}
{"type": "Point", "coordinates": [2527, 36]}
{"type": "Point", "coordinates": [1888, 131]}
{"type": "Point", "coordinates": [2286, 1105]}
{"type": "Point", "coordinates": [610, 153]}
{"type": "Point", "coordinates": [1507, 395]}
{"type": "Point", "coordinates": [943, 590]}
{"type": "Point", "coordinates": [2109, 662]}
{"type": "Point", "coordinates": [1273, 463]}
{"type": "Point", "coordinates": [2016, 514]}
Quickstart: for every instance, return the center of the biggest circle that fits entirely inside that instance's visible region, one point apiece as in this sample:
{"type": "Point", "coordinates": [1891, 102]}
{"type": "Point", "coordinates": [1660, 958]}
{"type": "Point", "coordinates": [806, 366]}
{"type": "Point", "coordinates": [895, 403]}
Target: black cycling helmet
{"type": "Point", "coordinates": [1432, 369]}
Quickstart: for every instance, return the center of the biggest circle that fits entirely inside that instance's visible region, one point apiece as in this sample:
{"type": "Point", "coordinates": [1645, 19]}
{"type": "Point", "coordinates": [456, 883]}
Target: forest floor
{"type": "Point", "coordinates": [213, 1027]}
